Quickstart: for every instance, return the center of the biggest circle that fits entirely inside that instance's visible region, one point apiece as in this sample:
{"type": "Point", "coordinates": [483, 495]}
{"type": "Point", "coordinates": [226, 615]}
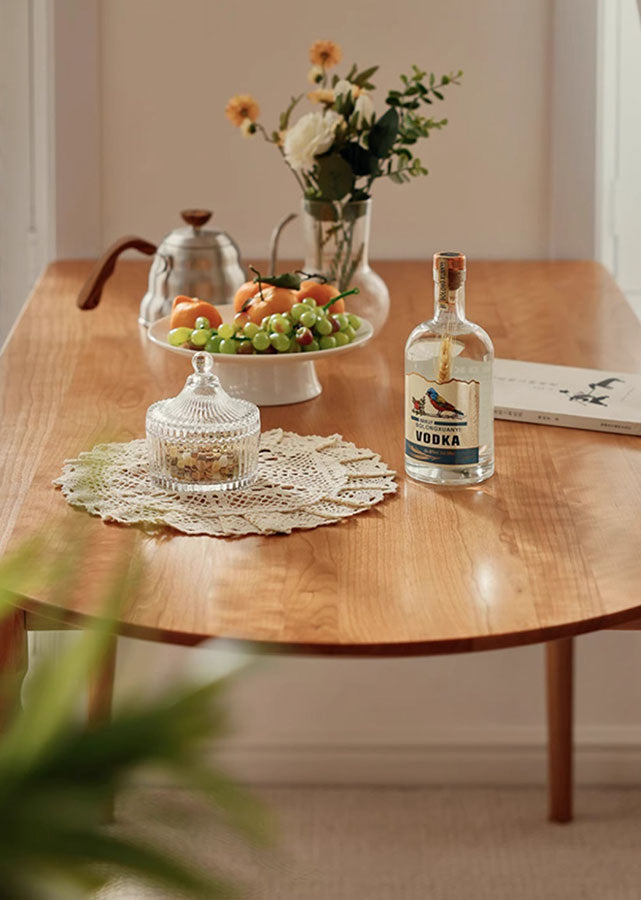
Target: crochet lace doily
{"type": "Point", "coordinates": [303, 481]}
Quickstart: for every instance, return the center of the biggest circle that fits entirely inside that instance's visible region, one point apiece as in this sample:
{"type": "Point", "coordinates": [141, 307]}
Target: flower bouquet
{"type": "Point", "coordinates": [336, 153]}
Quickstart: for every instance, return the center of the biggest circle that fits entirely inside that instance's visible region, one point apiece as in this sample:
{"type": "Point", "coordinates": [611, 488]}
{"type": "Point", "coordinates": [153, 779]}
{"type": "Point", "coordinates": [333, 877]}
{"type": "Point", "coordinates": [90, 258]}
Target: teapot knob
{"type": "Point", "coordinates": [196, 217]}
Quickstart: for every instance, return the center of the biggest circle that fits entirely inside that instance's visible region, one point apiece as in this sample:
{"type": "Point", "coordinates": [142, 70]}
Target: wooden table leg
{"type": "Point", "coordinates": [560, 690]}
{"type": "Point", "coordinates": [101, 686]}
{"type": "Point", "coordinates": [14, 657]}
{"type": "Point", "coordinates": [101, 691]}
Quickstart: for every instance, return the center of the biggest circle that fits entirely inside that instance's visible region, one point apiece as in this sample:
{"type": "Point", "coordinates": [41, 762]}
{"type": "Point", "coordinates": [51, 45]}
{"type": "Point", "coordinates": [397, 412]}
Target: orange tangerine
{"type": "Point", "coordinates": [322, 294]}
{"type": "Point", "coordinates": [243, 294]}
{"type": "Point", "coordinates": [273, 300]}
{"type": "Point", "coordinates": [185, 311]}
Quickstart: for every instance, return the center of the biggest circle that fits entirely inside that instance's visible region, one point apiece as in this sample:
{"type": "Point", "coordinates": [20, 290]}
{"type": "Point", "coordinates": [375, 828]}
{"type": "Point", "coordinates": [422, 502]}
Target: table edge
{"type": "Point", "coordinates": [66, 618]}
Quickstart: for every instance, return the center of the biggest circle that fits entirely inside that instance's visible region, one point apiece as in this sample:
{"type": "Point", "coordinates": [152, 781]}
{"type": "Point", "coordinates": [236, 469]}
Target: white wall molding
{"type": "Point", "coordinates": [573, 85]}
{"type": "Point", "coordinates": [502, 756]}
{"type": "Point", "coordinates": [607, 103]}
{"type": "Point", "coordinates": [76, 114]}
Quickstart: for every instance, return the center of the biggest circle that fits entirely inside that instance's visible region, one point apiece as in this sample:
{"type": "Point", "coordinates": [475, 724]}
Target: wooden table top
{"type": "Point", "coordinates": [546, 548]}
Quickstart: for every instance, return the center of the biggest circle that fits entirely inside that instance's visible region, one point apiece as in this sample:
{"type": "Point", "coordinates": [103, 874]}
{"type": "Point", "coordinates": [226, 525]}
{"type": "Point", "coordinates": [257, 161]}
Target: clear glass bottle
{"type": "Point", "coordinates": [449, 412]}
{"type": "Point", "coordinates": [203, 439]}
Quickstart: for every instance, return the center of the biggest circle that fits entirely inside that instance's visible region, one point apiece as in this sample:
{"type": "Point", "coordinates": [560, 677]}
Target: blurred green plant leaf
{"type": "Point", "coordinates": [57, 773]}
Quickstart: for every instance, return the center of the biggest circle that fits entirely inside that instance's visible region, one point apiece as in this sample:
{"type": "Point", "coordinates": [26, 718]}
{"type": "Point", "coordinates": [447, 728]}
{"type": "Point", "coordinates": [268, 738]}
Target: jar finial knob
{"type": "Point", "coordinates": [202, 363]}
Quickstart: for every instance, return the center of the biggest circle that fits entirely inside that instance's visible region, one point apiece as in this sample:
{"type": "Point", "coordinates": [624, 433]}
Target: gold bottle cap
{"type": "Point", "coordinates": [450, 266]}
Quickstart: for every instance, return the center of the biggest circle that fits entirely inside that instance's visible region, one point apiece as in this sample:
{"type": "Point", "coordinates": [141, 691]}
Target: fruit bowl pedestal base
{"type": "Point", "coordinates": [275, 385]}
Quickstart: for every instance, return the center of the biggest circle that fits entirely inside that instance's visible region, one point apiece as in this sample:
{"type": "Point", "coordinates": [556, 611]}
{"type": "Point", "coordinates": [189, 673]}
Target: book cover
{"type": "Point", "coordinates": [573, 398]}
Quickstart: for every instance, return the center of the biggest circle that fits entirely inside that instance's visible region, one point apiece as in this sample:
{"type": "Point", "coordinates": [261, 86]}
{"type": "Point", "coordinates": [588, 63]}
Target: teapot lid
{"type": "Point", "coordinates": [193, 236]}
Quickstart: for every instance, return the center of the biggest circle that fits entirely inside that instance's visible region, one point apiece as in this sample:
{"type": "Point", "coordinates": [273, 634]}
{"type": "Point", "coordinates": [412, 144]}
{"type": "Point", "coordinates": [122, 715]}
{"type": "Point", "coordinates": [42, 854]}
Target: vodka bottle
{"type": "Point", "coordinates": [449, 415]}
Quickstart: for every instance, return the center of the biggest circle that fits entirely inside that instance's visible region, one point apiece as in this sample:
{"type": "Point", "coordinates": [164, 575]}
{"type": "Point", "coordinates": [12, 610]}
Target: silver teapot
{"type": "Point", "coordinates": [189, 260]}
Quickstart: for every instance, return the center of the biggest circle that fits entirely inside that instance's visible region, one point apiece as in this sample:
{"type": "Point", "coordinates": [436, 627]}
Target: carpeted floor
{"type": "Point", "coordinates": [414, 844]}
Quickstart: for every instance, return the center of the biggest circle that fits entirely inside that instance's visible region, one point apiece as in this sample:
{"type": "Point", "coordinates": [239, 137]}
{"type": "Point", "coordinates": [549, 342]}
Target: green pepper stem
{"type": "Point", "coordinates": [354, 290]}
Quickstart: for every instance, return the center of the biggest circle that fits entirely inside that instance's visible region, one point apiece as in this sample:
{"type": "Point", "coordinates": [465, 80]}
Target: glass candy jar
{"type": "Point", "coordinates": [203, 439]}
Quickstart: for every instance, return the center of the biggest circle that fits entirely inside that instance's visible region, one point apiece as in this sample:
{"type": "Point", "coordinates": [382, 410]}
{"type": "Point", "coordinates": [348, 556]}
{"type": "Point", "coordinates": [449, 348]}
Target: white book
{"type": "Point", "coordinates": [561, 395]}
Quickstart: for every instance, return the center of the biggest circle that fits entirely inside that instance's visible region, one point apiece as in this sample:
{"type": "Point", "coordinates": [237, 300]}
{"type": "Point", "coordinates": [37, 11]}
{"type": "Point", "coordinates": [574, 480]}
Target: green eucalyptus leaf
{"type": "Point", "coordinates": [361, 161]}
{"type": "Point", "coordinates": [363, 77]}
{"type": "Point", "coordinates": [288, 280]}
{"type": "Point", "coordinates": [344, 104]}
{"type": "Point", "coordinates": [335, 177]}
{"type": "Point", "coordinates": [383, 133]}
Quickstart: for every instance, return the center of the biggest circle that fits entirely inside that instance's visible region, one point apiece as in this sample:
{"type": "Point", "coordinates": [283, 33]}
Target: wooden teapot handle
{"type": "Point", "coordinates": [91, 291]}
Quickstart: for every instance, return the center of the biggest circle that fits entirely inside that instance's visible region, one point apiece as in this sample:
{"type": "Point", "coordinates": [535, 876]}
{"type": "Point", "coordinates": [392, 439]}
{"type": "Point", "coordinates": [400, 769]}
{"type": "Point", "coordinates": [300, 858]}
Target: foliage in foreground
{"type": "Point", "coordinates": [58, 774]}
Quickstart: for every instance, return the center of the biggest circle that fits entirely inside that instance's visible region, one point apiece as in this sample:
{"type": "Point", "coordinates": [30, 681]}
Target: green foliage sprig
{"type": "Point", "coordinates": [361, 155]}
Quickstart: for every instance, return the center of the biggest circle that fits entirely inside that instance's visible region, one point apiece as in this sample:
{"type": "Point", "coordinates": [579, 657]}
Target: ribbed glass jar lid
{"type": "Point", "coordinates": [203, 439]}
{"type": "Point", "coordinates": [203, 404]}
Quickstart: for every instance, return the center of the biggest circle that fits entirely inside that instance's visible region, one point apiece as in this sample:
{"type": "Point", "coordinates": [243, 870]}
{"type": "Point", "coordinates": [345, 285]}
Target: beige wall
{"type": "Point", "coordinates": [168, 69]}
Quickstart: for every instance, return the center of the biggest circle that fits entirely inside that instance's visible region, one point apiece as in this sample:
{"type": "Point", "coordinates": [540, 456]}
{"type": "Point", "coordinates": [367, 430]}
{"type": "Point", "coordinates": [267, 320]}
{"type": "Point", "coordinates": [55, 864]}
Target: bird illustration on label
{"type": "Point", "coordinates": [440, 404]}
{"type": "Point", "coordinates": [439, 430]}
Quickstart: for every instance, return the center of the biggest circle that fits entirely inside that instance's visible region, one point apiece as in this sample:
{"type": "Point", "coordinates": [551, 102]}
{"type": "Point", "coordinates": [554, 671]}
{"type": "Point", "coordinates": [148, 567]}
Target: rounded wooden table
{"type": "Point", "coordinates": [544, 550]}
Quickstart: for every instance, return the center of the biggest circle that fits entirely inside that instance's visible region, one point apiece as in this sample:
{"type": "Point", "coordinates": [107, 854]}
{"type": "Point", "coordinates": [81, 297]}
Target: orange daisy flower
{"type": "Point", "coordinates": [325, 54]}
{"type": "Point", "coordinates": [241, 107]}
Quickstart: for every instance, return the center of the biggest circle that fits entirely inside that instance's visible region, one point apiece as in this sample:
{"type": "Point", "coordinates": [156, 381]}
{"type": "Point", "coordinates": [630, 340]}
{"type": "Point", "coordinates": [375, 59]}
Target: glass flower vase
{"type": "Point", "coordinates": [337, 246]}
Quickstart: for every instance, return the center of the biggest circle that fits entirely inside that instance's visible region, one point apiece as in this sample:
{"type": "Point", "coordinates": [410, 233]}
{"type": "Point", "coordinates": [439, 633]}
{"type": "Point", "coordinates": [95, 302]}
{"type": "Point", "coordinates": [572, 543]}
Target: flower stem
{"type": "Point", "coordinates": [261, 128]}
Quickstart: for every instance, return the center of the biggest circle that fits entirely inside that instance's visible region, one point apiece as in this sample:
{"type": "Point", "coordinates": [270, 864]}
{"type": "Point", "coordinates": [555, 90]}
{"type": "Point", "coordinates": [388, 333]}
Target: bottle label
{"type": "Point", "coordinates": [441, 421]}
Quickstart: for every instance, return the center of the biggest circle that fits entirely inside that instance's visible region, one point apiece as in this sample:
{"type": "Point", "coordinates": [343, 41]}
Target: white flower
{"type": "Point", "coordinates": [344, 87]}
{"type": "Point", "coordinates": [364, 108]}
{"type": "Point", "coordinates": [247, 127]}
{"type": "Point", "coordinates": [313, 134]}
{"type": "Point", "coordinates": [315, 74]}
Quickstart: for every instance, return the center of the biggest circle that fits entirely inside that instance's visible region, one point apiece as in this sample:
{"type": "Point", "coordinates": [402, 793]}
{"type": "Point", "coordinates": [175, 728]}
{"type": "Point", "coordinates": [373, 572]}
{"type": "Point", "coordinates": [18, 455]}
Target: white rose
{"type": "Point", "coordinates": [313, 134]}
{"type": "Point", "coordinates": [364, 108]}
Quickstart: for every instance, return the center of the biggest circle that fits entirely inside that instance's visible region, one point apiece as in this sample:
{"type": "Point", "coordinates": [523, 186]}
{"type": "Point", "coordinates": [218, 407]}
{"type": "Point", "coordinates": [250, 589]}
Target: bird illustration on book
{"type": "Point", "coordinates": [441, 405]}
{"type": "Point", "coordinates": [590, 396]}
